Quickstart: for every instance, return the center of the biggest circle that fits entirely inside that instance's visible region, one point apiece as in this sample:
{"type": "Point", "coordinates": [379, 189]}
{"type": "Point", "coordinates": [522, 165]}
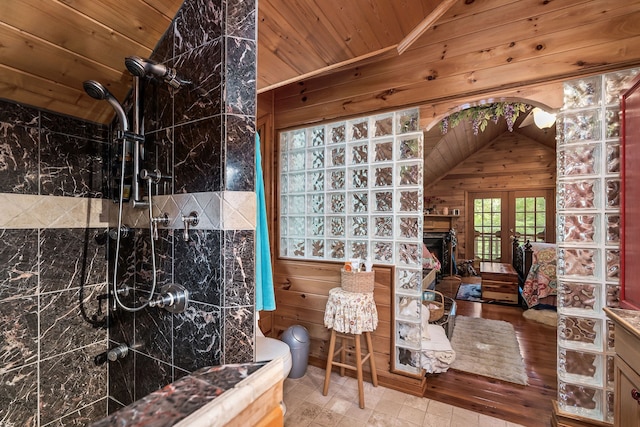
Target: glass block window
{"type": "Point", "coordinates": [352, 188]}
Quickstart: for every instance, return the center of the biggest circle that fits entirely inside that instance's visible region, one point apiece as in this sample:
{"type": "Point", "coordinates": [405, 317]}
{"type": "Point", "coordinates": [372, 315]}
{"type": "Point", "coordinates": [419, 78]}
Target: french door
{"type": "Point", "coordinates": [495, 217]}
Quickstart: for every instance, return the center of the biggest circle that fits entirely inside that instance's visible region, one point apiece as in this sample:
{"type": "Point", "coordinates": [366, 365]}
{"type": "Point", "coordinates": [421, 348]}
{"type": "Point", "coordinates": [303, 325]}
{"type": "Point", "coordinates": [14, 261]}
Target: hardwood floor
{"type": "Point", "coordinates": [529, 405]}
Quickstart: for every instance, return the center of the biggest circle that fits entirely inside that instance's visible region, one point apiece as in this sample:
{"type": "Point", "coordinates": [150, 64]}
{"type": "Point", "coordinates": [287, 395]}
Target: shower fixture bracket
{"type": "Point", "coordinates": [173, 298]}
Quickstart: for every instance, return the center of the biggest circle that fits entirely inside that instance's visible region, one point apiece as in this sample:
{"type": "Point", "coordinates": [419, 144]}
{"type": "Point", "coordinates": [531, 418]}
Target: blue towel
{"type": "Point", "coordinates": [265, 296]}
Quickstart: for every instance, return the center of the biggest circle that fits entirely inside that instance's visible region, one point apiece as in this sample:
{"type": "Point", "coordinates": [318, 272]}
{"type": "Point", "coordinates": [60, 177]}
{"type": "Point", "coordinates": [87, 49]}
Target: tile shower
{"type": "Point", "coordinates": [56, 205]}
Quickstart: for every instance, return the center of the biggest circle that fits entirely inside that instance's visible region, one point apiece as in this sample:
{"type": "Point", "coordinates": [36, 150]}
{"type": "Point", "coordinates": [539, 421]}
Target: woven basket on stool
{"type": "Point", "coordinates": [434, 301]}
{"type": "Point", "coordinates": [362, 281]}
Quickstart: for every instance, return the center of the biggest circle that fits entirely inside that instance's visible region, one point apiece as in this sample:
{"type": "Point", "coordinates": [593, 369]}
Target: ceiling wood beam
{"type": "Point", "coordinates": [326, 69]}
{"type": "Point", "coordinates": [423, 26]}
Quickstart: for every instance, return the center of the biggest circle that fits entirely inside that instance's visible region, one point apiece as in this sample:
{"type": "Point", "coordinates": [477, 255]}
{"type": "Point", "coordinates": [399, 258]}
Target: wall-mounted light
{"type": "Point", "coordinates": [543, 119]}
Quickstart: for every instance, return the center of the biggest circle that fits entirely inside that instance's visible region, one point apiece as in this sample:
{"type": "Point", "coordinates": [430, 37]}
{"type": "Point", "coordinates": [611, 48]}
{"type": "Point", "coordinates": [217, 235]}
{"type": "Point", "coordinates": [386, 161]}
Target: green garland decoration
{"type": "Point", "coordinates": [481, 114]}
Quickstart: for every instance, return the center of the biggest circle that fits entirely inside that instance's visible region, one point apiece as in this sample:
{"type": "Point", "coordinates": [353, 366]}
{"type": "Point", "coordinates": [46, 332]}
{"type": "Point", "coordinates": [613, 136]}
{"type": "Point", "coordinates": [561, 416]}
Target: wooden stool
{"type": "Point", "coordinates": [349, 315]}
{"type": "Point", "coordinates": [360, 360]}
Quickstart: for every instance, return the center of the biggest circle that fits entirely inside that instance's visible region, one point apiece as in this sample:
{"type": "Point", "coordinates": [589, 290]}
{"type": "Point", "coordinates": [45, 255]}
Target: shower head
{"type": "Point", "coordinates": [99, 92]}
{"type": "Point", "coordinates": [141, 67]}
{"type": "Point", "coordinates": [96, 90]}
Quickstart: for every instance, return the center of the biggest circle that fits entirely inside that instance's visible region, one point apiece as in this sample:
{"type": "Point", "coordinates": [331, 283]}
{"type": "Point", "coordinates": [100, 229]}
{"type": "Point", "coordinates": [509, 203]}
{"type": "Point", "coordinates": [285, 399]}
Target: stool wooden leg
{"type": "Point", "coordinates": [372, 362]}
{"type": "Point", "coordinates": [327, 374]}
{"type": "Point", "coordinates": [343, 354]}
{"type": "Point", "coordinates": [359, 370]}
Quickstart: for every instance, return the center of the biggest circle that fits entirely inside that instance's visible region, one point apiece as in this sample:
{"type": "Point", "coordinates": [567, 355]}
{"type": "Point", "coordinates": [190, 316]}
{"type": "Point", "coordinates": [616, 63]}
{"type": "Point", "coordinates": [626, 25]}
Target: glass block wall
{"type": "Point", "coordinates": [353, 189]}
{"type": "Point", "coordinates": [588, 209]}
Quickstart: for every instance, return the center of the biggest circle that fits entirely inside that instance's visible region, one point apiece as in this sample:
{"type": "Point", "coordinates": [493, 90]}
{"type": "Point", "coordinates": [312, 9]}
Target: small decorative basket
{"type": "Point", "coordinates": [353, 281]}
{"type": "Point", "coordinates": [434, 301]}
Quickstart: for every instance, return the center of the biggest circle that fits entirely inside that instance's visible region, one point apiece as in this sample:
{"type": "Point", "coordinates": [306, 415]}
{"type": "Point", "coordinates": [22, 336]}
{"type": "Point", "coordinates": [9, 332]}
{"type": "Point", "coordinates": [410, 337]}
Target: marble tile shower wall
{"type": "Point", "coordinates": [203, 135]}
{"type": "Point", "coordinates": [50, 319]}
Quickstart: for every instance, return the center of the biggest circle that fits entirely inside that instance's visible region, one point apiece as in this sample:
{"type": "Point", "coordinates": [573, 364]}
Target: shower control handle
{"type": "Point", "coordinates": [118, 352]}
{"type": "Point", "coordinates": [172, 297]}
{"type": "Point", "coordinates": [156, 176]}
{"type": "Point", "coordinates": [163, 220]}
{"type": "Point", "coordinates": [189, 221]}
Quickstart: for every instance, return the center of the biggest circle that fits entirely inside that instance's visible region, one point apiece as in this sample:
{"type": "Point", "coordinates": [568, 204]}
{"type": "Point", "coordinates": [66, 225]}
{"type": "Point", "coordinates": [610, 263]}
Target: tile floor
{"type": "Point", "coordinates": [306, 406]}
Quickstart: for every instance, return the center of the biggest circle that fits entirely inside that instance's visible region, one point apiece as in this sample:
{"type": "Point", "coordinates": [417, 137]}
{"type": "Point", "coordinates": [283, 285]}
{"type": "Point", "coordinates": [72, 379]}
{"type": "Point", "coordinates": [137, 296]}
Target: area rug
{"type": "Point", "coordinates": [489, 348]}
{"type": "Point", "coordinates": [546, 317]}
{"type": "Point", "coordinates": [469, 292]}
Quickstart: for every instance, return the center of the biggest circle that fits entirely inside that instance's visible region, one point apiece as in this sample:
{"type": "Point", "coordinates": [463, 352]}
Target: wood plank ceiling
{"type": "Point", "coordinates": [327, 59]}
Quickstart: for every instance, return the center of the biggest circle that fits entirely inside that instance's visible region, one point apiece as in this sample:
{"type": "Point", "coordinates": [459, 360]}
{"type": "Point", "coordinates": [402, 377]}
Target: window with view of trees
{"type": "Point", "coordinates": [496, 217]}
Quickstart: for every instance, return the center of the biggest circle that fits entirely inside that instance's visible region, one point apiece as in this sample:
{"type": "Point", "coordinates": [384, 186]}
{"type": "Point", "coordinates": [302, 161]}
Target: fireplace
{"type": "Point", "coordinates": [440, 244]}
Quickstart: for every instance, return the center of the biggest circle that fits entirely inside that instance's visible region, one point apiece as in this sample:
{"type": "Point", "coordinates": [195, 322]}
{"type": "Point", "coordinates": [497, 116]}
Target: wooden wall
{"type": "Point", "coordinates": [511, 162]}
{"type": "Point", "coordinates": [302, 289]}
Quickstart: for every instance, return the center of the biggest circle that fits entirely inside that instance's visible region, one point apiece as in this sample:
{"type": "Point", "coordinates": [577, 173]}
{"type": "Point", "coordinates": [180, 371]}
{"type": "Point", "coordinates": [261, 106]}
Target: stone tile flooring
{"type": "Point", "coordinates": [306, 406]}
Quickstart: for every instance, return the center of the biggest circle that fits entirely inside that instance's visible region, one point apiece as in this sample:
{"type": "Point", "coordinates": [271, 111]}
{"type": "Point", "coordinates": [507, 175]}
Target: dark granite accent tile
{"type": "Point", "coordinates": [154, 333]}
{"type": "Point", "coordinates": [239, 153]}
{"type": "Point", "coordinates": [126, 255]}
{"type": "Point", "coordinates": [122, 328]}
{"type": "Point", "coordinates": [241, 19]}
{"type": "Point", "coordinates": [198, 22]}
{"type": "Point", "coordinates": [158, 108]}
{"type": "Point", "coordinates": [84, 260]}
{"type": "Point", "coordinates": [198, 156]}
{"type": "Point", "coordinates": [83, 416]}
{"type": "Point", "coordinates": [151, 375]}
{"type": "Point", "coordinates": [146, 251]}
{"type": "Point", "coordinates": [164, 49]}
{"type": "Point", "coordinates": [82, 381]}
{"type": "Point", "coordinates": [196, 340]}
{"type": "Point", "coordinates": [203, 67]}
{"type": "Point", "coordinates": [18, 158]}
{"type": "Point", "coordinates": [19, 397]}
{"type": "Point", "coordinates": [198, 265]}
{"type": "Point", "coordinates": [52, 122]}
{"type": "Point", "coordinates": [239, 268]}
{"type": "Point", "coordinates": [113, 406]}
{"type": "Point", "coordinates": [63, 325]}
{"type": "Point", "coordinates": [18, 333]}
{"type": "Point", "coordinates": [238, 334]}
{"type": "Point", "coordinates": [19, 263]}
{"type": "Point", "coordinates": [15, 114]}
{"type": "Point", "coordinates": [122, 380]}
{"type": "Point", "coordinates": [71, 166]}
{"type": "Point", "coordinates": [240, 77]}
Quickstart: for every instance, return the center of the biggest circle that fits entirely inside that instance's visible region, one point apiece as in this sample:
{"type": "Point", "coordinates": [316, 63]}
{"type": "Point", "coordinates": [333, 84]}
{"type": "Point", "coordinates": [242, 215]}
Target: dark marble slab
{"type": "Point", "coordinates": [71, 166]}
{"type": "Point", "coordinates": [203, 98]}
{"type": "Point", "coordinates": [14, 114]}
{"type": "Point", "coordinates": [18, 334]}
{"type": "Point", "coordinates": [240, 77]}
{"type": "Point", "coordinates": [239, 153]}
{"type": "Point", "coordinates": [197, 337]}
{"type": "Point", "coordinates": [239, 267]}
{"type": "Point", "coordinates": [198, 265]}
{"type": "Point", "coordinates": [84, 260]}
{"type": "Point", "coordinates": [18, 158]}
{"type": "Point", "coordinates": [18, 263]}
{"type": "Point", "coordinates": [64, 325]}
{"type": "Point", "coordinates": [198, 156]}
{"type": "Point", "coordinates": [154, 333]}
{"type": "Point", "coordinates": [197, 23]}
{"type": "Point", "coordinates": [19, 396]}
{"type": "Point", "coordinates": [74, 372]}
{"type": "Point", "coordinates": [122, 389]}
{"type": "Point", "coordinates": [169, 405]}
{"type": "Point", "coordinates": [151, 374]}
{"type": "Point", "coordinates": [241, 19]}
{"type": "Point", "coordinates": [238, 334]}
{"type": "Point", "coordinates": [83, 416]}
{"type": "Point", "coordinates": [58, 123]}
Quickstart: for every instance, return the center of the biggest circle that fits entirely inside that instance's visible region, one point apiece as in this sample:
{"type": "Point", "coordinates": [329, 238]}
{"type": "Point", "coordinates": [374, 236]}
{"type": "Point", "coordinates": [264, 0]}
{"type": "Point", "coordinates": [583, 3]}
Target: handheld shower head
{"type": "Point", "coordinates": [141, 67]}
{"type": "Point", "coordinates": [99, 92]}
